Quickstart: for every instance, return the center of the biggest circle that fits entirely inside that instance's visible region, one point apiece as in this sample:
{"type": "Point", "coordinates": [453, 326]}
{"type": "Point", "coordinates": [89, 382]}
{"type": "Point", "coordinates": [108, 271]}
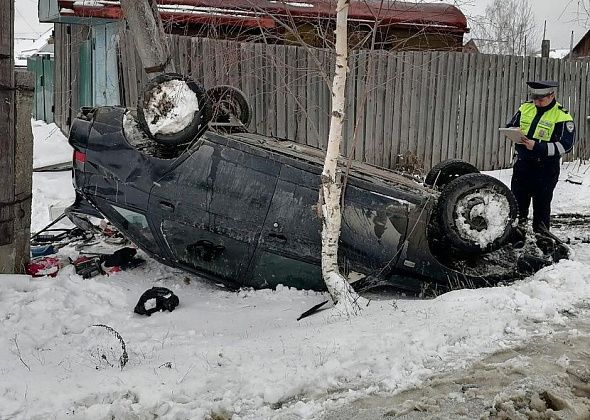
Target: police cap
{"type": "Point", "coordinates": [540, 88]}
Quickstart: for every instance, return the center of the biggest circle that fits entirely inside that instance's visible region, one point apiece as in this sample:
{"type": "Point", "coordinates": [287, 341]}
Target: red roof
{"type": "Point", "coordinates": [261, 12]}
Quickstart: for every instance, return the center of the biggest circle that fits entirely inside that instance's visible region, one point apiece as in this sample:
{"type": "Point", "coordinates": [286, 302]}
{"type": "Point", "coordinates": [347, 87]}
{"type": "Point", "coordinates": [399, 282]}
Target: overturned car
{"type": "Point", "coordinates": [240, 208]}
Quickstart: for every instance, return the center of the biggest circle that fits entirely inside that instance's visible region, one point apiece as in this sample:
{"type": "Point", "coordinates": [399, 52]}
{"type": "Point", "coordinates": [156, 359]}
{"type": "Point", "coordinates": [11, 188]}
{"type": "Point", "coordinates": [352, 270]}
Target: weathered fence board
{"type": "Point", "coordinates": [429, 105]}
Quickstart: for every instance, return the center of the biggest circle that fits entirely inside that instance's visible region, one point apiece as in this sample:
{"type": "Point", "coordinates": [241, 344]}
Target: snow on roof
{"type": "Point", "coordinates": [25, 48]}
{"type": "Point", "coordinates": [557, 53]}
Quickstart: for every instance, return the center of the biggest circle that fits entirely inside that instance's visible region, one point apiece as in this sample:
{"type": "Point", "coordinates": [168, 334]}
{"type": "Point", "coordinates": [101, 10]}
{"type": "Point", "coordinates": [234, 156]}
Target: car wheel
{"type": "Point", "coordinates": [227, 102]}
{"type": "Point", "coordinates": [444, 172]}
{"type": "Point", "coordinates": [476, 213]}
{"type": "Point", "coordinates": [173, 109]}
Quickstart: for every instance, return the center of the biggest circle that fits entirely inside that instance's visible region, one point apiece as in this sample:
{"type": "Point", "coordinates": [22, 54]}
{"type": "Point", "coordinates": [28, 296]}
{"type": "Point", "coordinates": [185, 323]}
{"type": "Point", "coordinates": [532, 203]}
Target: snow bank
{"type": "Point", "coordinates": [567, 197]}
{"type": "Point", "coordinates": [244, 353]}
{"type": "Point", "coordinates": [50, 146]}
{"type": "Point", "coordinates": [52, 192]}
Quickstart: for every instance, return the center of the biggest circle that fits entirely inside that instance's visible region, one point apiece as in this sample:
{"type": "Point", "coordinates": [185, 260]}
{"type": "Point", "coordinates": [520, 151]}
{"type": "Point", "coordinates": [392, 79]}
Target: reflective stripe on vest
{"type": "Point", "coordinates": [546, 125]}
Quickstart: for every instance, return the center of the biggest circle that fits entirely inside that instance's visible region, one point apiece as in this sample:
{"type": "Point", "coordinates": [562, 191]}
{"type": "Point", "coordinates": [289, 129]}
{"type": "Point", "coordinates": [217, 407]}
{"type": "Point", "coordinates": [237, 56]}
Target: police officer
{"type": "Point", "coordinates": [548, 133]}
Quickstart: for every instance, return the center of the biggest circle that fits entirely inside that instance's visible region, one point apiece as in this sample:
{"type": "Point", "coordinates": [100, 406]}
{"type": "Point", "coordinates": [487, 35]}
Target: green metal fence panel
{"type": "Point", "coordinates": [47, 64]}
{"type": "Point", "coordinates": [32, 66]}
{"type": "Point", "coordinates": [85, 88]}
{"type": "Point", "coordinates": [42, 68]}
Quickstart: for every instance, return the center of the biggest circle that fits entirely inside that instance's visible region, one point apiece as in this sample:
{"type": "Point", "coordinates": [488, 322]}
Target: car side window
{"type": "Point", "coordinates": [137, 224]}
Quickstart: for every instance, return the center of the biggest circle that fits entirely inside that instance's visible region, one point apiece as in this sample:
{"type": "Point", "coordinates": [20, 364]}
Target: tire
{"type": "Point", "coordinates": [227, 101]}
{"type": "Point", "coordinates": [199, 121]}
{"type": "Point", "coordinates": [444, 172]}
{"type": "Point", "coordinates": [476, 213]}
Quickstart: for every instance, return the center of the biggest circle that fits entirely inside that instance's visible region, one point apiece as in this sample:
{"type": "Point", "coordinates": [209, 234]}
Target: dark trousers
{"type": "Point", "coordinates": [535, 179]}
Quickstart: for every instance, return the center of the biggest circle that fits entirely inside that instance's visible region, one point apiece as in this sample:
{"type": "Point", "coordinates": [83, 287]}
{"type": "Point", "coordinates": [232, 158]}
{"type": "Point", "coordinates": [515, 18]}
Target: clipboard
{"type": "Point", "coordinates": [513, 134]}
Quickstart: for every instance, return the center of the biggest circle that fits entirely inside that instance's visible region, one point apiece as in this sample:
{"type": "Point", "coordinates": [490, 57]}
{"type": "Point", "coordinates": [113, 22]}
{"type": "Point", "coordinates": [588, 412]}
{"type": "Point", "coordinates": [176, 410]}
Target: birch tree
{"type": "Point", "coordinates": [342, 293]}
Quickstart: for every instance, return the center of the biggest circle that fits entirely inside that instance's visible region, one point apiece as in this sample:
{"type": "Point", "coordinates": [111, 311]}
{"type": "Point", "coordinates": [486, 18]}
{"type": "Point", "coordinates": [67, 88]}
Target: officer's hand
{"type": "Point", "coordinates": [528, 143]}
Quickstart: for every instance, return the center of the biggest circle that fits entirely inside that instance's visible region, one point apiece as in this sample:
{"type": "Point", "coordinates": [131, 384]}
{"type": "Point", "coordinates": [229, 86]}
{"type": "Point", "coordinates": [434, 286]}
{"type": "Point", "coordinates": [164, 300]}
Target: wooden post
{"type": "Point", "coordinates": [6, 136]}
{"type": "Point", "coordinates": [12, 198]}
{"type": "Point", "coordinates": [23, 167]}
{"type": "Point", "coordinates": [146, 26]}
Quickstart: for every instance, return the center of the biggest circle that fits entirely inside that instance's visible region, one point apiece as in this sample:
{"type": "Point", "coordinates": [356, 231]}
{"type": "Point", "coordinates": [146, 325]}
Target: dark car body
{"type": "Point", "coordinates": [241, 209]}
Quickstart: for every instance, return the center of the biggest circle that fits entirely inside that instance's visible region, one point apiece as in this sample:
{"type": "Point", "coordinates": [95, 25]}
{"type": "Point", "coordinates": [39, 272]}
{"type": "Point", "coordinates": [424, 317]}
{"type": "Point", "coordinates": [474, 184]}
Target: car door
{"type": "Point", "coordinates": [211, 208]}
{"type": "Point", "coordinates": [290, 245]}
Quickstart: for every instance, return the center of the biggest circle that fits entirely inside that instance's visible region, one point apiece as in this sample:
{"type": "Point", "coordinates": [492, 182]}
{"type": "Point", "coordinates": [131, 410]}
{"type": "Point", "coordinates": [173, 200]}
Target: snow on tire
{"type": "Point", "coordinates": [173, 109]}
{"type": "Point", "coordinates": [476, 213]}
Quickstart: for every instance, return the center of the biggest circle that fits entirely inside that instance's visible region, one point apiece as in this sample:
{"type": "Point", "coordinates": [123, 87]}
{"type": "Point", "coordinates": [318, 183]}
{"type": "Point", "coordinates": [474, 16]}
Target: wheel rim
{"type": "Point", "coordinates": [224, 108]}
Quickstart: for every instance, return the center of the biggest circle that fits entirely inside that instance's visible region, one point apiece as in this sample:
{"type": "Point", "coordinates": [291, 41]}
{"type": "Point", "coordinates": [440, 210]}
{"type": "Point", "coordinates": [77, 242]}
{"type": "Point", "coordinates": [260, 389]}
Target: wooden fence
{"type": "Point", "coordinates": [426, 106]}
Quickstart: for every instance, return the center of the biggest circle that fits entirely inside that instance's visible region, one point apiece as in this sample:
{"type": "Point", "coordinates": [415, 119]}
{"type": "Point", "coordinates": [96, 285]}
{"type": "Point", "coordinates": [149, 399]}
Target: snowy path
{"type": "Point", "coordinates": [548, 376]}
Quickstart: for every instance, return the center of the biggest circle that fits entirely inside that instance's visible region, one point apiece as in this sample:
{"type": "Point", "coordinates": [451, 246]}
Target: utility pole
{"type": "Point", "coordinates": [15, 158]}
{"type": "Point", "coordinates": [143, 19]}
{"type": "Point", "coordinates": [7, 136]}
{"type": "Point", "coordinates": [545, 44]}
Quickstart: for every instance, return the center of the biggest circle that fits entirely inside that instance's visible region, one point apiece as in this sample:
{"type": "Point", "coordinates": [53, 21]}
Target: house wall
{"type": "Point", "coordinates": [582, 49]}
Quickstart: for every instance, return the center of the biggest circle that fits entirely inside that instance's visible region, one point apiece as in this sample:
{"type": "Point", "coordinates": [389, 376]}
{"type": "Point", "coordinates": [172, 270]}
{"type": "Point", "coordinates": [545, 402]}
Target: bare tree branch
{"type": "Point", "coordinates": [507, 27]}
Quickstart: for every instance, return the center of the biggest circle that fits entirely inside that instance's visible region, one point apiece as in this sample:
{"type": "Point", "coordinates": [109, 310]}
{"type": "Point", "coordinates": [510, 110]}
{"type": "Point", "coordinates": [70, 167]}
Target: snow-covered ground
{"type": "Point", "coordinates": [243, 355]}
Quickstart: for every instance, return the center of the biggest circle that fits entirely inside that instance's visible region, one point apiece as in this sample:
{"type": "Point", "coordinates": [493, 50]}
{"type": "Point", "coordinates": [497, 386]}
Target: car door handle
{"type": "Point", "coordinates": [278, 236]}
{"type": "Point", "coordinates": [166, 205]}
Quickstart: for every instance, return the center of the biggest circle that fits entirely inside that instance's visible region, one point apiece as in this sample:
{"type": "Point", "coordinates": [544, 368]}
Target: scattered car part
{"type": "Point", "coordinates": [87, 267]}
{"type": "Point", "coordinates": [56, 167]}
{"type": "Point", "coordinates": [102, 354]}
{"type": "Point", "coordinates": [444, 172]}
{"type": "Point", "coordinates": [125, 258]}
{"type": "Point", "coordinates": [552, 245]}
{"type": "Point", "coordinates": [91, 264]}
{"type": "Point", "coordinates": [476, 213]}
{"type": "Point", "coordinates": [43, 266]}
{"type": "Point", "coordinates": [173, 109]}
{"type": "Point", "coordinates": [42, 250]}
{"type": "Point", "coordinates": [312, 310]}
{"type": "Point", "coordinates": [575, 178]}
{"type": "Point", "coordinates": [156, 299]}
{"type": "Point", "coordinates": [54, 222]}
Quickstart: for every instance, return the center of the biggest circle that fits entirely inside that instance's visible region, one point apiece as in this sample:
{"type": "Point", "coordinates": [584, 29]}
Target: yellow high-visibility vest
{"type": "Point", "coordinates": [546, 124]}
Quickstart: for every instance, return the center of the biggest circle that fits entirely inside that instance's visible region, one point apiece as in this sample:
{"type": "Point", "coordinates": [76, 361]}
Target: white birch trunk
{"type": "Point", "coordinates": [344, 297]}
